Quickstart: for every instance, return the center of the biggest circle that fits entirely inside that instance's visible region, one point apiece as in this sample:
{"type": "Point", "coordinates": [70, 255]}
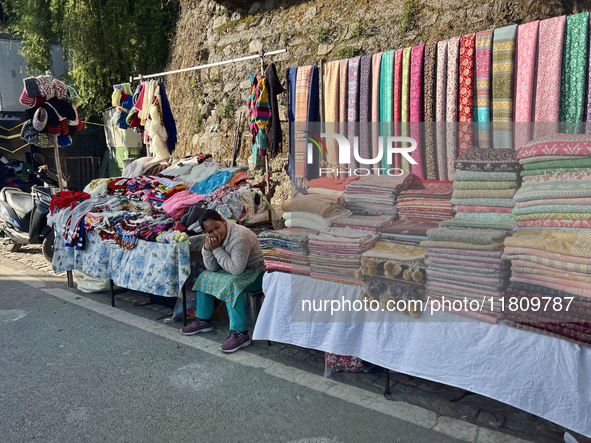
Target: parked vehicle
{"type": "Point", "coordinates": [23, 219]}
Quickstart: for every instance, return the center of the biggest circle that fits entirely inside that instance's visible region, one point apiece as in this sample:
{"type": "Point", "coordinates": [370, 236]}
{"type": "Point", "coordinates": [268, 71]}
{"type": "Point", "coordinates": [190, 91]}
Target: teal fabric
{"type": "Point", "coordinates": [486, 176]}
{"type": "Point", "coordinates": [225, 286]}
{"type": "Point", "coordinates": [552, 208]}
{"type": "Point", "coordinates": [386, 97]}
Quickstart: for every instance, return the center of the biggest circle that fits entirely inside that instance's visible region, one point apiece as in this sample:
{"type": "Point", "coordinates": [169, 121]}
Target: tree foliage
{"type": "Point", "coordinates": [105, 41]}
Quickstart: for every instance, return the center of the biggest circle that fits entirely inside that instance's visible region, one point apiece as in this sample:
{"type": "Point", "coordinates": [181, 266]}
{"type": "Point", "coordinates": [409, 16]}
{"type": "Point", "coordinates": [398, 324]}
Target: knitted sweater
{"type": "Point", "coordinates": [239, 251]}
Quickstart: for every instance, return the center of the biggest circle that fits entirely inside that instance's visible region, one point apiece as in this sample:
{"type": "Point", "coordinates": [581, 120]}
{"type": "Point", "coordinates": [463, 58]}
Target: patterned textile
{"type": "Point", "coordinates": [440, 111]}
{"type": "Point", "coordinates": [574, 163]}
{"type": "Point", "coordinates": [416, 107]}
{"type": "Point", "coordinates": [453, 50]}
{"type": "Point", "coordinates": [484, 193]}
{"type": "Point", "coordinates": [395, 252]}
{"type": "Point", "coordinates": [387, 101]}
{"type": "Point", "coordinates": [397, 98]}
{"type": "Point", "coordinates": [225, 286]}
{"type": "Point", "coordinates": [553, 190]}
{"type": "Point", "coordinates": [547, 102]}
{"type": "Point", "coordinates": [553, 216]}
{"type": "Point", "coordinates": [461, 245]}
{"type": "Point", "coordinates": [364, 105]}
{"type": "Point", "coordinates": [404, 102]}
{"type": "Point", "coordinates": [549, 201]}
{"type": "Point", "coordinates": [291, 81]}
{"type": "Point", "coordinates": [331, 106]}
{"type": "Point", "coordinates": [375, 104]}
{"type": "Point", "coordinates": [488, 220]}
{"type": "Point", "coordinates": [557, 224]}
{"type": "Point", "coordinates": [576, 244]}
{"type": "Point", "coordinates": [553, 208]}
{"type": "Point", "coordinates": [465, 92]}
{"type": "Point", "coordinates": [473, 236]}
{"type": "Point", "coordinates": [303, 78]}
{"type": "Point", "coordinates": [502, 85]}
{"type": "Point", "coordinates": [353, 103]}
{"type": "Point", "coordinates": [481, 209]}
{"type": "Point", "coordinates": [486, 176]}
{"type": "Point", "coordinates": [574, 67]}
{"type": "Point", "coordinates": [483, 44]}
{"type": "Point", "coordinates": [485, 185]}
{"type": "Point", "coordinates": [547, 158]}
{"type": "Point", "coordinates": [527, 46]}
{"type": "Point", "coordinates": [155, 268]}
{"type": "Point", "coordinates": [409, 228]}
{"type": "Point", "coordinates": [429, 187]}
{"type": "Point", "coordinates": [557, 144]}
{"type": "Point", "coordinates": [503, 202]}
{"type": "Point", "coordinates": [343, 89]}
{"type": "Point", "coordinates": [429, 91]}
{"type": "Point", "coordinates": [481, 159]}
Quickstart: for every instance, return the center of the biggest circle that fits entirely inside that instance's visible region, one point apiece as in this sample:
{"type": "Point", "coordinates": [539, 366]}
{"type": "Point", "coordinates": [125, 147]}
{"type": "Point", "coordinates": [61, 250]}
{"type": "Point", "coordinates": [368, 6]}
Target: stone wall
{"type": "Point", "coordinates": [207, 103]}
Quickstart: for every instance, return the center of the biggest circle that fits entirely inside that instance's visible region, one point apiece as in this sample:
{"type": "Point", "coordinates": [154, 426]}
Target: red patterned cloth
{"type": "Point", "coordinates": [416, 106]}
{"type": "Point", "coordinates": [429, 187]}
{"type": "Point", "coordinates": [66, 199]}
{"type": "Point", "coordinates": [397, 97]}
{"type": "Point", "coordinates": [343, 363]}
{"type": "Point", "coordinates": [465, 91]}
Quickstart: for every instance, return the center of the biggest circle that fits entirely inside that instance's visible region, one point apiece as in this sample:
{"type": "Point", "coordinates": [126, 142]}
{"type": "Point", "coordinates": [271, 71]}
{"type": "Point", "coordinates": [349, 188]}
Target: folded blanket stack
{"type": "Point", "coordinates": [330, 186]}
{"type": "Point", "coordinates": [286, 250]}
{"type": "Point", "coordinates": [552, 270]}
{"type": "Point", "coordinates": [376, 194]}
{"type": "Point", "coordinates": [484, 185]}
{"type": "Point", "coordinates": [406, 232]}
{"type": "Point", "coordinates": [467, 263]}
{"type": "Point", "coordinates": [394, 272]}
{"type": "Point", "coordinates": [369, 223]}
{"type": "Point", "coordinates": [426, 200]}
{"type": "Point", "coordinates": [335, 254]}
{"type": "Point", "coordinates": [313, 211]}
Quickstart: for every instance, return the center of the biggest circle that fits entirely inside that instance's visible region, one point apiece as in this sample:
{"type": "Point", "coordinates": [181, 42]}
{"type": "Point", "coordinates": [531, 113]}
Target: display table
{"type": "Point", "coordinates": [155, 268]}
{"type": "Point", "coordinates": [543, 375]}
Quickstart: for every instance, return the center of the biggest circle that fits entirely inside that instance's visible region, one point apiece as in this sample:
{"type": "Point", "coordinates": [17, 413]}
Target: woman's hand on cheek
{"type": "Point", "coordinates": [214, 243]}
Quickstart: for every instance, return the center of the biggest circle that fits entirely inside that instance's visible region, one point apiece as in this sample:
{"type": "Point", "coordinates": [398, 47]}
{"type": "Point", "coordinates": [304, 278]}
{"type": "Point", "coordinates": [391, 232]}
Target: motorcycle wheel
{"type": "Point", "coordinates": [47, 247]}
{"type": "Point", "coordinates": [12, 247]}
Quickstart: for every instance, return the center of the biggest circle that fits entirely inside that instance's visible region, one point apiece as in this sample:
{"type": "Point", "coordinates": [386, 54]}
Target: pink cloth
{"type": "Point", "coordinates": [529, 264]}
{"type": "Point", "coordinates": [559, 286]}
{"type": "Point", "coordinates": [557, 281]}
{"type": "Point", "coordinates": [547, 105]}
{"type": "Point", "coordinates": [453, 53]}
{"type": "Point", "coordinates": [465, 278]}
{"type": "Point", "coordinates": [482, 209]}
{"type": "Point", "coordinates": [472, 264]}
{"type": "Point", "coordinates": [557, 144]}
{"type": "Point", "coordinates": [527, 45]}
{"type": "Point", "coordinates": [416, 106]}
{"type": "Point", "coordinates": [440, 108]}
{"type": "Point", "coordinates": [397, 98]}
{"type": "Point", "coordinates": [182, 199]}
{"type": "Point", "coordinates": [438, 284]}
{"type": "Point", "coordinates": [474, 252]}
{"type": "Point", "coordinates": [512, 250]}
{"type": "Point", "coordinates": [579, 224]}
{"type": "Point", "coordinates": [552, 201]}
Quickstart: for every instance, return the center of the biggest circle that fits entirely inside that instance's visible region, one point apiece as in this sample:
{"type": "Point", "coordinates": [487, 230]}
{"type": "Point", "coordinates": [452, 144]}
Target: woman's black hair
{"type": "Point", "coordinates": [209, 214]}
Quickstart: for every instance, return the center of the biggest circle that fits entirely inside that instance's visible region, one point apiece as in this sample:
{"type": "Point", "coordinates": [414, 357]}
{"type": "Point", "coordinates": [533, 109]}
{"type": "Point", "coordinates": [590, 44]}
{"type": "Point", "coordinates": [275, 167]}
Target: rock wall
{"type": "Point", "coordinates": [207, 103]}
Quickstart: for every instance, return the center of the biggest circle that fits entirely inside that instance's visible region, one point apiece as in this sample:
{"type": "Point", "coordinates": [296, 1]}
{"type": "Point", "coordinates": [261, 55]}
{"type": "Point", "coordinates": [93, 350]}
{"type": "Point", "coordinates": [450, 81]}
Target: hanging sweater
{"type": "Point", "coordinates": [274, 131]}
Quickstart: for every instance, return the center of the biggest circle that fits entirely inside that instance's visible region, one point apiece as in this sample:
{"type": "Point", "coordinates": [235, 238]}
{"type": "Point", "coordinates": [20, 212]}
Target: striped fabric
{"type": "Point", "coordinates": [291, 96]}
{"type": "Point", "coordinates": [527, 46]}
{"type": "Point", "coordinates": [304, 75]}
{"type": "Point", "coordinates": [547, 102]}
{"type": "Point", "coordinates": [375, 104]}
{"type": "Point", "coordinates": [343, 97]}
{"type": "Point", "coordinates": [386, 97]}
{"type": "Point", "coordinates": [404, 102]}
{"type": "Point", "coordinates": [574, 68]}
{"type": "Point", "coordinates": [429, 92]}
{"type": "Point", "coordinates": [503, 51]}
{"type": "Point", "coordinates": [397, 98]}
{"type": "Point", "coordinates": [440, 108]}
{"type": "Point", "coordinates": [353, 104]}
{"type": "Point", "coordinates": [365, 78]}
{"type": "Point", "coordinates": [453, 52]}
{"type": "Point", "coordinates": [483, 44]}
{"type": "Point", "coordinates": [416, 107]}
{"type": "Point", "coordinates": [331, 108]}
{"type": "Point", "coordinates": [465, 92]}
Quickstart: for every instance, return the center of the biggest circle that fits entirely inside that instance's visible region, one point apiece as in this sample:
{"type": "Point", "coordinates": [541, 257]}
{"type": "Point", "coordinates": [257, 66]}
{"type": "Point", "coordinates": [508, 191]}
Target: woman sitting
{"type": "Point", "coordinates": [233, 248]}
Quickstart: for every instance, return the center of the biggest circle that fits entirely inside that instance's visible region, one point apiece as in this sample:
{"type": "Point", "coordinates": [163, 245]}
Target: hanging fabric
{"type": "Point", "coordinates": [365, 79]}
{"type": "Point", "coordinates": [465, 92]}
{"type": "Point", "coordinates": [550, 42]}
{"type": "Point", "coordinates": [453, 50]}
{"type": "Point", "coordinates": [574, 67]}
{"type": "Point", "coordinates": [502, 86]}
{"type": "Point", "coordinates": [274, 132]}
{"type": "Point", "coordinates": [375, 105]}
{"type": "Point", "coordinates": [416, 107]}
{"type": "Point", "coordinates": [291, 79]}
{"type": "Point", "coordinates": [343, 98]}
{"type": "Point", "coordinates": [483, 44]}
{"type": "Point", "coordinates": [304, 75]}
{"type": "Point", "coordinates": [259, 115]}
{"type": "Point", "coordinates": [404, 103]}
{"type": "Point", "coordinates": [397, 102]}
{"type": "Point", "coordinates": [429, 86]}
{"type": "Point", "coordinates": [441, 110]}
{"type": "Point", "coordinates": [313, 120]}
{"type": "Point", "coordinates": [386, 98]}
{"type": "Point", "coordinates": [527, 46]}
{"type": "Point", "coordinates": [353, 105]}
{"type": "Point", "coordinates": [331, 108]}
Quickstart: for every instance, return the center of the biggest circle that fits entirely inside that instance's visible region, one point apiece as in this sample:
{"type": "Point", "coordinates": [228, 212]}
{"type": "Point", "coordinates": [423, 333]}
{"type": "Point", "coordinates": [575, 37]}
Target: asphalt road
{"type": "Point", "coordinates": [71, 374]}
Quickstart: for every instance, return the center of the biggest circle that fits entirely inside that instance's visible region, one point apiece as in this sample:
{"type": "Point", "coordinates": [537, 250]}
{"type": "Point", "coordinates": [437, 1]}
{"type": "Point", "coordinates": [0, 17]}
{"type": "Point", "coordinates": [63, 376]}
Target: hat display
{"type": "Point", "coordinates": [40, 119]}
{"type": "Point", "coordinates": [60, 88]}
{"type": "Point", "coordinates": [31, 87]}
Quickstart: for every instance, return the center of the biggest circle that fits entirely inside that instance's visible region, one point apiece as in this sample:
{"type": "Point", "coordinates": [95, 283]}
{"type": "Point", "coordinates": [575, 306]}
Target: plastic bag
{"type": "Point", "coordinates": [88, 283]}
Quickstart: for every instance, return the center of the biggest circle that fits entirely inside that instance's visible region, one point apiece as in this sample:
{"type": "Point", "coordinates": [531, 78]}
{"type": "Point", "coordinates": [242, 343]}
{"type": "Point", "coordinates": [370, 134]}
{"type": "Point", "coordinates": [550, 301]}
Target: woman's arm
{"type": "Point", "coordinates": [236, 262]}
{"type": "Point", "coordinates": [209, 261]}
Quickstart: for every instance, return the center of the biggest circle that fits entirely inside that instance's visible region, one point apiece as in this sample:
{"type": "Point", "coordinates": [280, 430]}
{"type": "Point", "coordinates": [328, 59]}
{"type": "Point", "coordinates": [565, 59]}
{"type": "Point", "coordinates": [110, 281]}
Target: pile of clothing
{"type": "Point", "coordinates": [406, 232]}
{"type": "Point", "coordinates": [335, 254]}
{"type": "Point", "coordinates": [157, 166]}
{"type": "Point", "coordinates": [313, 211]}
{"type": "Point", "coordinates": [369, 223]}
{"type": "Point", "coordinates": [330, 186]}
{"type": "Point", "coordinates": [426, 200]}
{"type": "Point", "coordinates": [376, 194]}
{"type": "Point", "coordinates": [286, 250]}
{"type": "Point", "coordinates": [468, 263]}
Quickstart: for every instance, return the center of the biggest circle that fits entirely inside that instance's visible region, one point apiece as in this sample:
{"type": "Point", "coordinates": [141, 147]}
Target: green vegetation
{"type": "Point", "coordinates": [225, 109]}
{"type": "Point", "coordinates": [105, 41]}
{"type": "Point", "coordinates": [409, 10]}
{"type": "Point", "coordinates": [320, 32]}
{"type": "Point", "coordinates": [346, 51]}
{"type": "Point", "coordinates": [361, 29]}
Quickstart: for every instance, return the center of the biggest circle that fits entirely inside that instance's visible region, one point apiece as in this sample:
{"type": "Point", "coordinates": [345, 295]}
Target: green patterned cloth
{"type": "Point", "coordinates": [473, 236]}
{"type": "Point", "coordinates": [405, 103]}
{"type": "Point", "coordinates": [466, 185]}
{"type": "Point", "coordinates": [386, 97]}
{"type": "Point", "coordinates": [536, 172]}
{"type": "Point", "coordinates": [225, 286]}
{"type": "Point", "coordinates": [502, 202]}
{"type": "Point", "coordinates": [574, 71]}
{"type": "Point", "coordinates": [484, 193]}
{"type": "Point", "coordinates": [553, 216]}
{"type": "Point", "coordinates": [570, 163]}
{"type": "Point", "coordinates": [480, 221]}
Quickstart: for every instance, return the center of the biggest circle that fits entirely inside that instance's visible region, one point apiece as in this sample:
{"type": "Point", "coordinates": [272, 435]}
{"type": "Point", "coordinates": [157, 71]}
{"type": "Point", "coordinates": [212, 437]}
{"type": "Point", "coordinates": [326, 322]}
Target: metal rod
{"type": "Point", "coordinates": [58, 163]}
{"type": "Point", "coordinates": [185, 304]}
{"type": "Point", "coordinates": [112, 292]}
{"type": "Point", "coordinates": [208, 65]}
{"type": "Point", "coordinates": [236, 139]}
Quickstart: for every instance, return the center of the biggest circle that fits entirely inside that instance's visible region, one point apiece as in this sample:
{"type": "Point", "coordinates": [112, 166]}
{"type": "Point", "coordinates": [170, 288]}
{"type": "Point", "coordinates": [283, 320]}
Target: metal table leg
{"type": "Point", "coordinates": [70, 279]}
{"type": "Point", "coordinates": [387, 390]}
{"type": "Point", "coordinates": [112, 292]}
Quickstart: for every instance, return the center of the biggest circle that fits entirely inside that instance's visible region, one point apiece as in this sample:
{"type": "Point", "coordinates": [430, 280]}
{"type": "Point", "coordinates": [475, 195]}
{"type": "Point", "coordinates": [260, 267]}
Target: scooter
{"type": "Point", "coordinates": [23, 219]}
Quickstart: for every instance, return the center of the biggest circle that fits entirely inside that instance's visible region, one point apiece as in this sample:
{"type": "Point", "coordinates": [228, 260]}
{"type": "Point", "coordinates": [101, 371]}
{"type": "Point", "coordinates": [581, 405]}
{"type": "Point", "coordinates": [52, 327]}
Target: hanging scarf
{"type": "Point", "coordinates": [453, 49]}
{"type": "Point", "coordinates": [465, 91]}
{"type": "Point", "coordinates": [343, 97]}
{"type": "Point", "coordinates": [365, 78]}
{"type": "Point", "coordinates": [527, 45]}
{"type": "Point", "coordinates": [291, 76]}
{"type": "Point", "coordinates": [440, 109]}
{"type": "Point", "coordinates": [483, 44]}
{"type": "Point", "coordinates": [430, 79]}
{"type": "Point", "coordinates": [502, 85]}
{"type": "Point", "coordinates": [275, 88]}
{"type": "Point", "coordinates": [416, 106]}
{"type": "Point", "coordinates": [548, 83]}
{"type": "Point", "coordinates": [353, 105]}
{"type": "Point", "coordinates": [574, 65]}
{"type": "Point", "coordinates": [259, 114]}
{"type": "Point", "coordinates": [304, 75]}
{"type": "Point", "coordinates": [397, 100]}
{"type": "Point", "coordinates": [331, 108]}
{"type": "Point", "coordinates": [404, 103]}
{"type": "Point", "coordinates": [375, 105]}
{"type": "Point", "coordinates": [386, 99]}
{"type": "Point", "coordinates": [313, 119]}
